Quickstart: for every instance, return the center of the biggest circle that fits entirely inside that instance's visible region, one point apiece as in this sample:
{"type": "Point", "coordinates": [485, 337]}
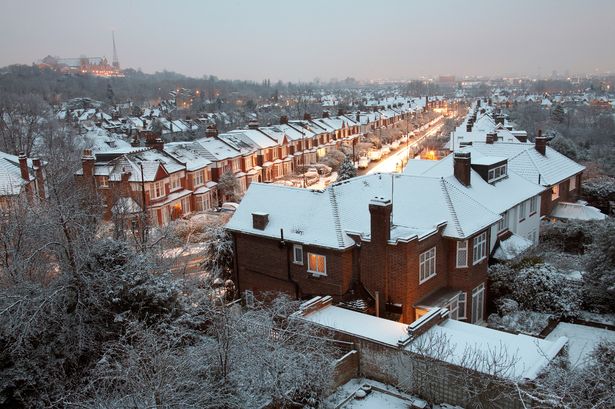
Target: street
{"type": "Point", "coordinates": [390, 164]}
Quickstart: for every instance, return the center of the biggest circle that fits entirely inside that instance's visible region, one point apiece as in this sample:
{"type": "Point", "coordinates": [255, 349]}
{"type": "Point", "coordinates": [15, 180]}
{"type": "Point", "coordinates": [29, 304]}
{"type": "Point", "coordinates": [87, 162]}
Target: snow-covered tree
{"type": "Point", "coordinates": [599, 280]}
{"type": "Point", "coordinates": [218, 251]}
{"type": "Point", "coordinates": [346, 170]}
{"type": "Point", "coordinates": [228, 187]}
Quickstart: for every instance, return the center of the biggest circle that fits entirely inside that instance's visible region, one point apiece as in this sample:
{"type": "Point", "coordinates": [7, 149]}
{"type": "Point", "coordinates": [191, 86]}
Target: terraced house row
{"type": "Point", "coordinates": [400, 245]}
{"type": "Point", "coordinates": [170, 180]}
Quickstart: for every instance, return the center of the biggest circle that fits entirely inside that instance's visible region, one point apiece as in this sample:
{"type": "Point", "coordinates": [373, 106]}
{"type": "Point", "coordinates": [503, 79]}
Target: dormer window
{"type": "Point", "coordinates": [497, 173]}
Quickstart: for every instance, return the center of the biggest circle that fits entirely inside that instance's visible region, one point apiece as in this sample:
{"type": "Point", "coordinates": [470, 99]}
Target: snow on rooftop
{"type": "Point", "coordinates": [512, 247]}
{"type": "Point", "coordinates": [527, 355]}
{"type": "Point", "coordinates": [581, 340]}
{"type": "Point", "coordinates": [576, 211]}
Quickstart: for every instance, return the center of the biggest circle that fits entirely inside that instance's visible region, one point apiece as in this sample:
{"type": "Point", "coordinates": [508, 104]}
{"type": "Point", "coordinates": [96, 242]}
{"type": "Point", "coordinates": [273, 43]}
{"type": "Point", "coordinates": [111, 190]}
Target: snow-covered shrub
{"type": "Point", "coordinates": [539, 288]}
{"type": "Point", "coordinates": [334, 159]}
{"type": "Point", "coordinates": [571, 236]}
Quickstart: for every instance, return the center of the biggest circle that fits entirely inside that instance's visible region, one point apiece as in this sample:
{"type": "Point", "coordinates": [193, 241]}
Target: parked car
{"type": "Point", "coordinates": [229, 207]}
{"type": "Point", "coordinates": [394, 145]}
{"type": "Point", "coordinates": [375, 154]}
{"type": "Point", "coordinates": [363, 162]}
{"type": "Point", "coordinates": [403, 139]}
{"type": "Point", "coordinates": [386, 149]}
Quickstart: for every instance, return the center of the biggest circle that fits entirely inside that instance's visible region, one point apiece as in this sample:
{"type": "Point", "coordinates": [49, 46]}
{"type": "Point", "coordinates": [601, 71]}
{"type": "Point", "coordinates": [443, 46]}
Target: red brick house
{"type": "Point", "coordinates": [20, 177]}
{"type": "Point", "coordinates": [401, 243]}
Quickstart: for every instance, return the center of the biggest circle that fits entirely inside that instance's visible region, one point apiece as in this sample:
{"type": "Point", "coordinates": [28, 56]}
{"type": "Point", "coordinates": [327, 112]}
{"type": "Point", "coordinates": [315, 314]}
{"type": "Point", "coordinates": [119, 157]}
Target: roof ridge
{"type": "Point", "coordinates": [535, 166]}
{"type": "Point", "coordinates": [451, 208]}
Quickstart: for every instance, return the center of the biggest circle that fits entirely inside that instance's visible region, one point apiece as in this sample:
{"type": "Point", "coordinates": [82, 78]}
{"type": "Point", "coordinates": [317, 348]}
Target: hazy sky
{"type": "Point", "coordinates": [304, 39]}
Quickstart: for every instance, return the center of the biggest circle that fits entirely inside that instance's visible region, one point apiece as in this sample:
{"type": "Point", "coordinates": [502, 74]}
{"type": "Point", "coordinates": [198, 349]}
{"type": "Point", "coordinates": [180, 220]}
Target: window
{"type": "Point", "coordinates": [496, 173]}
{"type": "Point", "coordinates": [103, 181]}
{"type": "Point", "coordinates": [533, 205]}
{"type": "Point", "coordinates": [462, 254]}
{"type": "Point", "coordinates": [156, 190]}
{"type": "Point", "coordinates": [478, 302]}
{"type": "Point", "coordinates": [427, 265]}
{"type": "Point", "coordinates": [198, 178]}
{"type": "Point", "coordinates": [480, 247]}
{"type": "Point", "coordinates": [317, 264]}
{"type": "Point", "coordinates": [298, 254]}
{"type": "Point", "coordinates": [521, 211]}
{"type": "Point", "coordinates": [461, 306]}
{"type": "Point", "coordinates": [503, 224]}
{"type": "Point", "coordinates": [573, 183]}
{"type": "Point", "coordinates": [175, 182]}
{"type": "Point", "coordinates": [554, 192]}
{"type": "Point", "coordinates": [453, 308]}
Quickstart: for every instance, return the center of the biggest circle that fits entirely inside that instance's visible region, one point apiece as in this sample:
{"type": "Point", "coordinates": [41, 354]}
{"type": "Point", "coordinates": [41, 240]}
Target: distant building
{"type": "Point", "coordinates": [98, 66]}
{"type": "Point", "coordinates": [20, 177]}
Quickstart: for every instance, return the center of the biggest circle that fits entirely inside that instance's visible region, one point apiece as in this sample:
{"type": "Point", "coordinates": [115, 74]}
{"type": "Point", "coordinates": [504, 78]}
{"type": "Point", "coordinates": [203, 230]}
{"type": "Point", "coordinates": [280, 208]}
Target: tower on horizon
{"type": "Point", "coordinates": [116, 61]}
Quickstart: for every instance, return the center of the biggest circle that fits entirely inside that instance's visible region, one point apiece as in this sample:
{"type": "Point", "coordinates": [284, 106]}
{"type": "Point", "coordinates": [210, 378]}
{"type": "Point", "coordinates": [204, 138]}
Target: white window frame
{"type": "Point", "coordinates": [572, 184]}
{"type": "Point", "coordinates": [521, 215]}
{"type": "Point", "coordinates": [199, 178]}
{"type": "Point", "coordinates": [496, 173]}
{"type": "Point", "coordinates": [297, 248]}
{"type": "Point", "coordinates": [479, 243]}
{"type": "Point", "coordinates": [315, 271]}
{"type": "Point", "coordinates": [555, 192]}
{"type": "Point", "coordinates": [427, 265]}
{"type": "Point", "coordinates": [462, 305]}
{"type": "Point", "coordinates": [462, 254]}
{"type": "Point", "coordinates": [504, 223]}
{"type": "Point", "coordinates": [175, 182]}
{"type": "Point", "coordinates": [533, 205]}
{"type": "Point", "coordinates": [478, 299]}
{"type": "Point", "coordinates": [155, 188]}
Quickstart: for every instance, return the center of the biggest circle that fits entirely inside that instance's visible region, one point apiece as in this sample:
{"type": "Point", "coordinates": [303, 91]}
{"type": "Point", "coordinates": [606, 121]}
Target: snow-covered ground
{"type": "Point", "coordinates": [581, 340]}
{"type": "Point", "coordinates": [382, 396]}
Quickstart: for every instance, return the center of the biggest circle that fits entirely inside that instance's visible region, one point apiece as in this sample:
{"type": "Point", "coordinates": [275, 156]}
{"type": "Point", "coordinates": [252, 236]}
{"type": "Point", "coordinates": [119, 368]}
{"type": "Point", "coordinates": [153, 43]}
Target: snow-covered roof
{"type": "Point", "coordinates": [576, 211]}
{"type": "Point", "coordinates": [528, 355]}
{"type": "Point", "coordinates": [327, 218]}
{"type": "Point", "coordinates": [11, 181]}
{"type": "Point", "coordinates": [216, 149]}
{"type": "Point", "coordinates": [499, 196]}
{"type": "Point", "coordinates": [191, 154]}
{"type": "Point", "coordinates": [512, 247]}
{"type": "Point", "coordinates": [548, 169]}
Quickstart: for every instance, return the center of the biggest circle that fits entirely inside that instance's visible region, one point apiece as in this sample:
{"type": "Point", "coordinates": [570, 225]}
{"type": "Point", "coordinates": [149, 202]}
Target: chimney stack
{"type": "Point", "coordinates": [260, 220]}
{"type": "Point", "coordinates": [380, 211]}
{"type": "Point", "coordinates": [283, 120]}
{"type": "Point", "coordinates": [87, 162]}
{"type": "Point", "coordinates": [499, 119]}
{"type": "Point", "coordinates": [152, 140]}
{"type": "Point", "coordinates": [307, 117]}
{"type": "Point", "coordinates": [23, 167]}
{"type": "Point", "coordinates": [325, 114]}
{"type": "Point", "coordinates": [253, 124]}
{"type": "Point", "coordinates": [541, 143]}
{"type": "Point", "coordinates": [462, 162]}
{"type": "Point", "coordinates": [37, 165]}
{"type": "Point", "coordinates": [211, 131]}
{"type": "Point", "coordinates": [341, 112]}
{"type": "Point", "coordinates": [491, 137]}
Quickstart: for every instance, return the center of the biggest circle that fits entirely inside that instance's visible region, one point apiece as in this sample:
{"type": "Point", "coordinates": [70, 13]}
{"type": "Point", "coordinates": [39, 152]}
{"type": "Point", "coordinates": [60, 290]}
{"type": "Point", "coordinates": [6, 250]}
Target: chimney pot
{"type": "Point", "coordinates": [283, 120]}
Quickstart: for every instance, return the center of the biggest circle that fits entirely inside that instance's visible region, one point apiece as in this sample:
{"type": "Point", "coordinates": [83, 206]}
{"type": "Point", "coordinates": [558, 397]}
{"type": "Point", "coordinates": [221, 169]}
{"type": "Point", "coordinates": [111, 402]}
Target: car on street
{"type": "Point", "coordinates": [375, 154]}
{"type": "Point", "coordinates": [363, 162]}
{"type": "Point", "coordinates": [386, 149]}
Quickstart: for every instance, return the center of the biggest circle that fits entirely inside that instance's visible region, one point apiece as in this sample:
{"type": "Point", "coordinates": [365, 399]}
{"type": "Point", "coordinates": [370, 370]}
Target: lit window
{"type": "Point", "coordinates": [522, 211]}
{"type": "Point", "coordinates": [480, 247]}
{"type": "Point", "coordinates": [554, 192]}
{"type": "Point", "coordinates": [462, 254]}
{"type": "Point", "coordinates": [533, 205]}
{"type": "Point", "coordinates": [503, 224]}
{"type": "Point", "coordinates": [427, 265]}
{"type": "Point", "coordinates": [298, 254]}
{"type": "Point", "coordinates": [461, 307]}
{"type": "Point", "coordinates": [573, 183]}
{"type": "Point", "coordinates": [317, 264]}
